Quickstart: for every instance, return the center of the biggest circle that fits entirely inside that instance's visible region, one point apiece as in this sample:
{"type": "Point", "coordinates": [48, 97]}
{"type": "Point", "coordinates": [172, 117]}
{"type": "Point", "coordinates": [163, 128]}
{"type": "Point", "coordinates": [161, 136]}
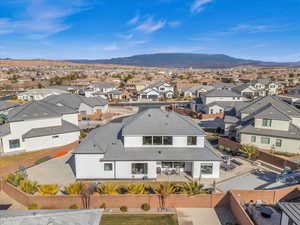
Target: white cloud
{"type": "Point", "coordinates": [150, 25]}
{"type": "Point", "coordinates": [174, 24]}
{"type": "Point", "coordinates": [41, 18]}
{"type": "Point", "coordinates": [111, 47]}
{"type": "Point", "coordinates": [259, 28]}
{"type": "Point", "coordinates": [134, 20]}
{"type": "Point", "coordinates": [125, 36]}
{"type": "Point", "coordinates": [197, 5]}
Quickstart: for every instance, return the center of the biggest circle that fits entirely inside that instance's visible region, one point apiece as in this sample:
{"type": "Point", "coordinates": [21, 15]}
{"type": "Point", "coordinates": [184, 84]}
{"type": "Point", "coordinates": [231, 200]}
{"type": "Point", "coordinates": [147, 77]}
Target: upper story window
{"type": "Point", "coordinates": [15, 143]}
{"type": "Point", "coordinates": [192, 140]}
{"type": "Point", "coordinates": [253, 138]}
{"type": "Point", "coordinates": [267, 122]}
{"type": "Point", "coordinates": [147, 140]}
{"type": "Point", "coordinates": [278, 143]}
{"type": "Point", "coordinates": [157, 140]}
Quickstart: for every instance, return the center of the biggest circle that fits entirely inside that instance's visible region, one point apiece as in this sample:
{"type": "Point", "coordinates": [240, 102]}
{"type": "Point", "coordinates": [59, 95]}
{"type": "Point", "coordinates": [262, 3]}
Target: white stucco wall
{"type": "Point", "coordinates": [207, 100]}
{"type": "Point", "coordinates": [215, 109]}
{"type": "Point", "coordinates": [38, 143]}
{"type": "Point", "coordinates": [275, 124]}
{"type": "Point", "coordinates": [71, 118]}
{"type": "Point", "coordinates": [178, 141]}
{"type": "Point", "coordinates": [90, 166]}
{"type": "Point", "coordinates": [86, 108]}
{"type": "Point", "coordinates": [196, 172]}
{"type": "Point", "coordinates": [288, 145]}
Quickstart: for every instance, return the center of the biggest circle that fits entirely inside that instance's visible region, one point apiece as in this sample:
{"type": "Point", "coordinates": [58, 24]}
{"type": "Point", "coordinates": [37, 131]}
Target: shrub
{"type": "Point", "coordinates": [145, 207]}
{"type": "Point", "coordinates": [15, 178]}
{"type": "Point", "coordinates": [193, 188]}
{"type": "Point", "coordinates": [30, 187]}
{"type": "Point", "coordinates": [33, 206]}
{"type": "Point", "coordinates": [124, 208]}
{"type": "Point", "coordinates": [108, 189]}
{"type": "Point", "coordinates": [74, 206]}
{"type": "Point", "coordinates": [221, 147]}
{"type": "Point", "coordinates": [136, 189]}
{"type": "Point", "coordinates": [42, 160]}
{"type": "Point", "coordinates": [49, 189]}
{"type": "Point", "coordinates": [102, 206]}
{"type": "Point", "coordinates": [74, 189]}
{"type": "Point", "coordinates": [122, 189]}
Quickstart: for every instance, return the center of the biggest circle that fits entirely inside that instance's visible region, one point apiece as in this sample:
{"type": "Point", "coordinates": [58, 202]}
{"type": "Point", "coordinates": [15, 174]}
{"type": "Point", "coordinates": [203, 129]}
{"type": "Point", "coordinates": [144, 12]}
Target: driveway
{"type": "Point", "coordinates": [204, 216]}
{"type": "Point", "coordinates": [55, 171]}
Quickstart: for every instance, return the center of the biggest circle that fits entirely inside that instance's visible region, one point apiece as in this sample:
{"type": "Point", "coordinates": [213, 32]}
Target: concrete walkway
{"type": "Point", "coordinates": [204, 216]}
{"type": "Point", "coordinates": [7, 202]}
{"type": "Point", "coordinates": [197, 216]}
{"type": "Point", "coordinates": [55, 171]}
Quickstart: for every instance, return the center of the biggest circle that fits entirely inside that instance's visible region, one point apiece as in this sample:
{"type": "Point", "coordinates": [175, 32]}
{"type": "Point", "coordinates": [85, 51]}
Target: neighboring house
{"type": "Point", "coordinates": [38, 125]}
{"type": "Point", "coordinates": [223, 86]}
{"type": "Point", "coordinates": [88, 108]}
{"type": "Point", "coordinates": [6, 106]}
{"type": "Point", "coordinates": [68, 88]}
{"type": "Point", "coordinates": [270, 123]}
{"type": "Point", "coordinates": [246, 90]}
{"type": "Point", "coordinates": [145, 145]}
{"type": "Point", "coordinates": [220, 95]}
{"type": "Point", "coordinates": [101, 87]}
{"type": "Point", "coordinates": [290, 213]}
{"type": "Point", "coordinates": [196, 91]}
{"type": "Point", "coordinates": [51, 217]}
{"type": "Point", "coordinates": [158, 90]}
{"type": "Point", "coordinates": [115, 95]}
{"type": "Point", "coordinates": [39, 94]}
{"type": "Point", "coordinates": [265, 87]}
{"type": "Point", "coordinates": [293, 96]}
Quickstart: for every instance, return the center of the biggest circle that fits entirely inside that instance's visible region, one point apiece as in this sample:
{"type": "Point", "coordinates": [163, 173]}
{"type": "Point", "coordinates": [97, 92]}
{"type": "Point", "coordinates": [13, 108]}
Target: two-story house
{"type": "Point", "coordinates": [39, 94]}
{"type": "Point", "coordinates": [88, 108]}
{"type": "Point", "coordinates": [99, 89]}
{"type": "Point", "coordinates": [196, 91]}
{"type": "Point", "coordinates": [145, 145]}
{"type": "Point", "coordinates": [270, 123]}
{"type": "Point", "coordinates": [158, 90]}
{"type": "Point", "coordinates": [38, 125]}
{"type": "Point", "coordinates": [220, 95]}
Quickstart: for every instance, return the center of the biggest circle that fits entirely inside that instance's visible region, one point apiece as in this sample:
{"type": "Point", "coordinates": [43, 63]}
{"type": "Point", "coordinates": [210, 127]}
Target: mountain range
{"type": "Point", "coordinates": [184, 60]}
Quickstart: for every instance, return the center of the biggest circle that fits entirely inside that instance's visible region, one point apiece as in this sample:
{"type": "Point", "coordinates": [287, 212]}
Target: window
{"type": "Point", "coordinates": [139, 168]}
{"type": "Point", "coordinates": [168, 140]}
{"type": "Point", "coordinates": [278, 142]}
{"type": "Point", "coordinates": [265, 140]}
{"type": "Point", "coordinates": [253, 138]}
{"type": "Point", "coordinates": [108, 166]}
{"type": "Point", "coordinates": [207, 168]}
{"type": "Point", "coordinates": [267, 123]}
{"type": "Point", "coordinates": [211, 111]}
{"type": "Point", "coordinates": [147, 140]}
{"type": "Point", "coordinates": [157, 140]}
{"type": "Point", "coordinates": [14, 143]}
{"type": "Point", "coordinates": [221, 110]}
{"type": "Point", "coordinates": [191, 140]}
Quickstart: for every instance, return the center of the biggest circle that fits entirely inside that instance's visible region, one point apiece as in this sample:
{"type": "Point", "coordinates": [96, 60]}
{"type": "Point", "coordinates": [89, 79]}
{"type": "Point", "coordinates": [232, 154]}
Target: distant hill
{"type": "Point", "coordinates": [183, 60]}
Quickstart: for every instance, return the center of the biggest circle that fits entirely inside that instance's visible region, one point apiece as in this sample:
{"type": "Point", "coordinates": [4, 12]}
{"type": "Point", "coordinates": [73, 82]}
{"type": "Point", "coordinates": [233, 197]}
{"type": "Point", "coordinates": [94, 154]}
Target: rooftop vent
{"type": "Point", "coordinates": [149, 115]}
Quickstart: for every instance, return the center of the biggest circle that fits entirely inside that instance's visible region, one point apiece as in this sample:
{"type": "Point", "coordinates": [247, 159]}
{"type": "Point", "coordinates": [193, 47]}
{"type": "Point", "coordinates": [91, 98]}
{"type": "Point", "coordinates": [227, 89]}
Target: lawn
{"type": "Point", "coordinates": [13, 159]}
{"type": "Point", "coordinates": [139, 220]}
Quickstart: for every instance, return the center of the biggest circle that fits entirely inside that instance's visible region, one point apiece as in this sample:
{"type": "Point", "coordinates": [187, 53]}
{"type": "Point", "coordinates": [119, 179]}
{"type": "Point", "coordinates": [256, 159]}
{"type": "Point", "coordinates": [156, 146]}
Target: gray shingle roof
{"type": "Point", "coordinates": [157, 122]}
{"type": "Point", "coordinates": [73, 101]}
{"type": "Point", "coordinates": [103, 85]}
{"type": "Point", "coordinates": [57, 217]}
{"type": "Point", "coordinates": [198, 87]}
{"type": "Point", "coordinates": [271, 112]}
{"type": "Point", "coordinates": [293, 132]}
{"type": "Point", "coordinates": [7, 105]}
{"type": "Point", "coordinates": [107, 140]}
{"type": "Point", "coordinates": [284, 107]}
{"type": "Point", "coordinates": [222, 85]}
{"type": "Point", "coordinates": [66, 127]}
{"type": "Point", "coordinates": [36, 110]}
{"type": "Point", "coordinates": [4, 129]}
{"type": "Point", "coordinates": [231, 119]}
{"type": "Point", "coordinates": [292, 210]}
{"type": "Point", "coordinates": [221, 93]}
{"type": "Point", "coordinates": [228, 105]}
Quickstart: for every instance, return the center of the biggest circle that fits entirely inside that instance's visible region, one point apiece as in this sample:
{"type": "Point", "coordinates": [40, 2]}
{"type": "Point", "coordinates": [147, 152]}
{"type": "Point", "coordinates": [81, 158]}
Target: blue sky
{"type": "Point", "coordinates": [93, 29]}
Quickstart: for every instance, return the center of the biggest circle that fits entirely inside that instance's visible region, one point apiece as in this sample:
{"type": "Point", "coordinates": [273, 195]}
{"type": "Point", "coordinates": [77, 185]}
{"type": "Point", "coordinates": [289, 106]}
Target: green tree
{"type": "Point", "coordinates": [249, 150]}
